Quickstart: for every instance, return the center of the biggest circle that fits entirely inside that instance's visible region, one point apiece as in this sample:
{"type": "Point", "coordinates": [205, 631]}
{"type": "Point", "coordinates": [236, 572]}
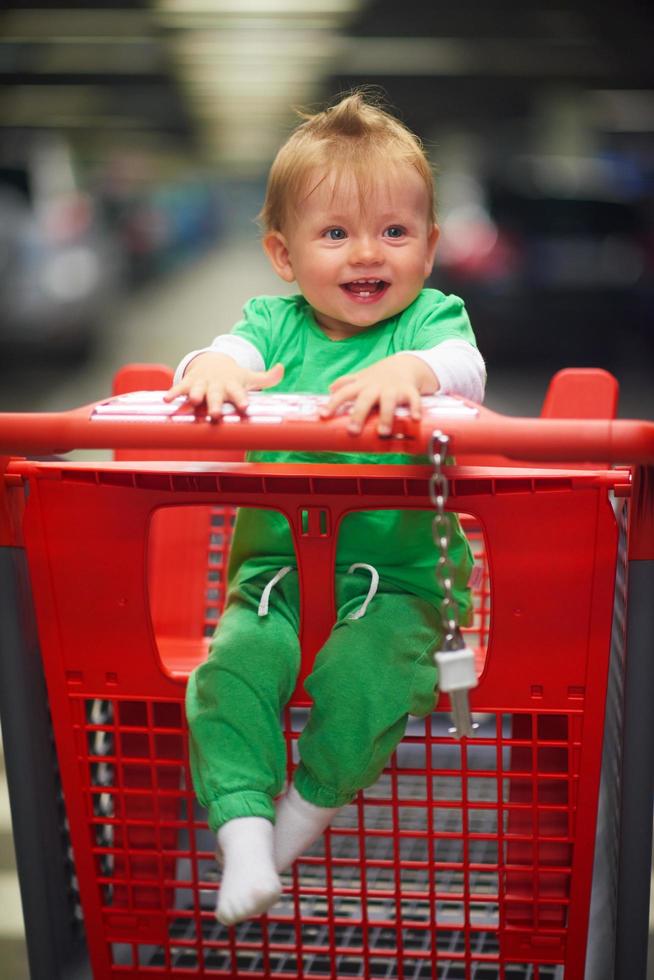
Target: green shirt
{"type": "Point", "coordinates": [398, 543]}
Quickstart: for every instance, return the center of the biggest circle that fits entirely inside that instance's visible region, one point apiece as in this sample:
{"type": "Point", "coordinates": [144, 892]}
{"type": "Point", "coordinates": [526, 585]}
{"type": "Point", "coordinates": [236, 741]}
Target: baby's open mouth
{"type": "Point", "coordinates": [365, 288]}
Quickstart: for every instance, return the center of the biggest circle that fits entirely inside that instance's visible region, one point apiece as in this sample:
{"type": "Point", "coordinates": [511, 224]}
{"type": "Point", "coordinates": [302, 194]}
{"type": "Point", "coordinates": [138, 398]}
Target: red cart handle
{"type": "Point", "coordinates": [142, 420]}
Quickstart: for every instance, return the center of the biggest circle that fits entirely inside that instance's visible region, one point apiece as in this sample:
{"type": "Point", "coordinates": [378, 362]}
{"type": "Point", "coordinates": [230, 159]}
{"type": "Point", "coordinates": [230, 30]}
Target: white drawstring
{"type": "Point", "coordinates": [357, 614]}
{"type": "Point", "coordinates": [374, 585]}
{"type": "Point", "coordinates": [265, 595]}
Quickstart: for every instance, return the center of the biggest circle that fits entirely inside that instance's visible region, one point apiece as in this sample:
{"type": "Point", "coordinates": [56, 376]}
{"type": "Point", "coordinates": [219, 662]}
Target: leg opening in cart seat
{"type": "Point", "coordinates": [188, 551]}
{"type": "Point", "coordinates": [187, 560]}
{"type": "Point", "coordinates": [411, 573]}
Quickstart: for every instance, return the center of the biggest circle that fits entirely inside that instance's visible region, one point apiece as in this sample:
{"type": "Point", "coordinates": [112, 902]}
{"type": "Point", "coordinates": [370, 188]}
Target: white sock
{"type": "Point", "coordinates": [297, 825]}
{"type": "Point", "coordinates": [250, 885]}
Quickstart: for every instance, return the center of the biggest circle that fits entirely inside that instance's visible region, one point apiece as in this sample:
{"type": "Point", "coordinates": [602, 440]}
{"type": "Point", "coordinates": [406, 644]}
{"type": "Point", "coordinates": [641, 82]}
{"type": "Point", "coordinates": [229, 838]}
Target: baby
{"type": "Point", "coordinates": [349, 216]}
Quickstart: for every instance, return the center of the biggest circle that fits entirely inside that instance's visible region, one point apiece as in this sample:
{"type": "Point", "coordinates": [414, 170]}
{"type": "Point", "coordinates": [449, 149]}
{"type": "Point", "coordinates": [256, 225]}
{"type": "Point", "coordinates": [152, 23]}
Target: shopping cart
{"type": "Point", "coordinates": [522, 852]}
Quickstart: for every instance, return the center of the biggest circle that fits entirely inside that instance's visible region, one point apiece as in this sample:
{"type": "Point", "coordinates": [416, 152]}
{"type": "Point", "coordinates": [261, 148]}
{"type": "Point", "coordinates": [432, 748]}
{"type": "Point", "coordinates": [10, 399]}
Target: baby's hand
{"type": "Point", "coordinates": [397, 380]}
{"type": "Point", "coordinates": [216, 378]}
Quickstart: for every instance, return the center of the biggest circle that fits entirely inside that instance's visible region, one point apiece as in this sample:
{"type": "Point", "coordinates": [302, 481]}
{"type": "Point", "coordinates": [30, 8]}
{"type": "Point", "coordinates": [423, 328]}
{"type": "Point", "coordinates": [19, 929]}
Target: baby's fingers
{"type": "Point", "coordinates": [196, 391]}
{"type": "Point", "coordinates": [415, 404]}
{"type": "Point", "coordinates": [266, 379]}
{"type": "Point", "coordinates": [345, 379]}
{"type": "Point", "coordinates": [361, 409]}
{"type": "Point", "coordinates": [215, 396]}
{"type": "Point", "coordinates": [237, 395]}
{"type": "Point", "coordinates": [387, 405]}
{"type": "Point", "coordinates": [338, 398]}
{"type": "Point", "coordinates": [388, 402]}
{"type": "Point", "coordinates": [175, 391]}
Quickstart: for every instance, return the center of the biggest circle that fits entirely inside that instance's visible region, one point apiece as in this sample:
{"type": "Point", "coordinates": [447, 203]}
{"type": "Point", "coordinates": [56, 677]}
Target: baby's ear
{"type": "Point", "coordinates": [276, 248]}
{"type": "Point", "coordinates": [432, 242]}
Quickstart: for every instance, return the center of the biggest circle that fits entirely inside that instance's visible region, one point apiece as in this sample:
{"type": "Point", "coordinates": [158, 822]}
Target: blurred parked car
{"type": "Point", "coordinates": [552, 274]}
{"type": "Point", "coordinates": [162, 224]}
{"type": "Point", "coordinates": [60, 270]}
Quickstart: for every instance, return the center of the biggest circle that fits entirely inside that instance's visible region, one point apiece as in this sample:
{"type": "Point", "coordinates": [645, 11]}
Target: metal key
{"type": "Point", "coordinates": [456, 676]}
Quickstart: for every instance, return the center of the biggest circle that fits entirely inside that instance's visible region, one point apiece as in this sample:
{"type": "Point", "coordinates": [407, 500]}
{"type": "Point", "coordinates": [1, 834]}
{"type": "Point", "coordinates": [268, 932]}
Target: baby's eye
{"type": "Point", "coordinates": [336, 234]}
{"type": "Point", "coordinates": [395, 231]}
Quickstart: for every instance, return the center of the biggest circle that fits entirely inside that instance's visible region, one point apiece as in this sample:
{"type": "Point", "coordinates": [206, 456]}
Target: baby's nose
{"type": "Point", "coordinates": [365, 249]}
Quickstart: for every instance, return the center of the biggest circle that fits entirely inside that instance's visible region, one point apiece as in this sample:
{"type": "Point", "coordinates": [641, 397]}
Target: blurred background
{"type": "Point", "coordinates": [135, 139]}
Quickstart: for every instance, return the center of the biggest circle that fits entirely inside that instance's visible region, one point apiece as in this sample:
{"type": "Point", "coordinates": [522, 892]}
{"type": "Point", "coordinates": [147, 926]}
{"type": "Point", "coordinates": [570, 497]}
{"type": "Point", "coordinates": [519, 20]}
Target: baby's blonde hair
{"type": "Point", "coordinates": [355, 136]}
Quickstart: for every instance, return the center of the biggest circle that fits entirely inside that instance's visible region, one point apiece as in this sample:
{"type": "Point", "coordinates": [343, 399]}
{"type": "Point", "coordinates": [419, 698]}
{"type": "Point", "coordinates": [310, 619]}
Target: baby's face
{"type": "Point", "coordinates": [358, 262]}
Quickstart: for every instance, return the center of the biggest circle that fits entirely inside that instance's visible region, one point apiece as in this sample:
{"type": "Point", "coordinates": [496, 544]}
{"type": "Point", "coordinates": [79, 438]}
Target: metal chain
{"type": "Point", "coordinates": [439, 490]}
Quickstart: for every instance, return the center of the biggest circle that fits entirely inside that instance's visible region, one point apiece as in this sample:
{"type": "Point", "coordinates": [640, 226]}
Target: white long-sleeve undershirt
{"type": "Point", "coordinates": [457, 365]}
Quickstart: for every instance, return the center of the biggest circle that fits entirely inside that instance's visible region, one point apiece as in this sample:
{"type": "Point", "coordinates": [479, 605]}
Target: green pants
{"type": "Point", "coordinates": [369, 676]}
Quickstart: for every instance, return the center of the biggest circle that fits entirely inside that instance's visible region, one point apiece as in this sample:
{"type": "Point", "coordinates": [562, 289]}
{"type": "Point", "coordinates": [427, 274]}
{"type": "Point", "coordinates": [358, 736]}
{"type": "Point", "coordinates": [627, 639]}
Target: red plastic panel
{"type": "Point", "coordinates": [581, 393]}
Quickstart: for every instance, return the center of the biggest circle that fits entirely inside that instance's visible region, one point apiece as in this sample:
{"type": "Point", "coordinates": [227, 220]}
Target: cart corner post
{"type": "Point", "coordinates": [55, 941]}
{"type": "Point", "coordinates": [638, 737]}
